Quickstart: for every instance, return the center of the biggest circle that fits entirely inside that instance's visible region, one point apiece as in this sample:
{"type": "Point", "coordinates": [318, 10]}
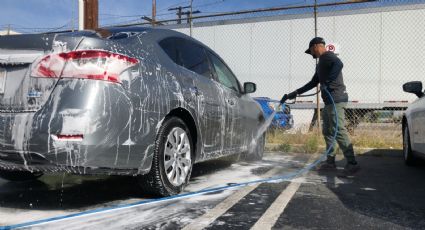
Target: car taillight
{"type": "Point", "coordinates": [86, 64]}
{"type": "Point", "coordinates": [68, 137]}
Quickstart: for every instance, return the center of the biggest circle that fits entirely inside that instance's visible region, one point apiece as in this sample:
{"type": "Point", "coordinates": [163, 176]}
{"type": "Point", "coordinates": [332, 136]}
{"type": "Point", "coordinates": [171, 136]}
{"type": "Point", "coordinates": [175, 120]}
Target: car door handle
{"type": "Point", "coordinates": [231, 102]}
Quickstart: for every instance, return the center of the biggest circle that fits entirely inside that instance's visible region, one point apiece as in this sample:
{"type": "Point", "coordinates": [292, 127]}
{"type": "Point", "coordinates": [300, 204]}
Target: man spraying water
{"type": "Point", "coordinates": [329, 75]}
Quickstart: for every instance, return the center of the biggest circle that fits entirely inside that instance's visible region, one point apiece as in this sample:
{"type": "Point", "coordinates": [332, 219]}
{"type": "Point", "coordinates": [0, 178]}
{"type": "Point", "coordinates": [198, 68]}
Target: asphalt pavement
{"type": "Point", "coordinates": [384, 194]}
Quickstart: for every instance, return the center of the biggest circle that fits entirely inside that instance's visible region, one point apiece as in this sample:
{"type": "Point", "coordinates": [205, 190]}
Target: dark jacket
{"type": "Point", "coordinates": [328, 73]}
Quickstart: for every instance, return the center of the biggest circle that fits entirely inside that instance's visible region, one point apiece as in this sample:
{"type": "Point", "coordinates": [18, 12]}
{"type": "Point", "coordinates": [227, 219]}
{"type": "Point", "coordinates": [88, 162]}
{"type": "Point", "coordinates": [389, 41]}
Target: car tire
{"type": "Point", "coordinates": [256, 152]}
{"type": "Point", "coordinates": [19, 175]}
{"type": "Point", "coordinates": [409, 159]}
{"type": "Point", "coordinates": [172, 161]}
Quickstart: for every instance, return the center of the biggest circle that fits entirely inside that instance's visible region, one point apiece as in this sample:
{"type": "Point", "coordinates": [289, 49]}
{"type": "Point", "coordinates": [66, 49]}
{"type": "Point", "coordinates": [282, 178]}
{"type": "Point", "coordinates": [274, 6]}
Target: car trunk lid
{"type": "Point", "coordinates": [19, 92]}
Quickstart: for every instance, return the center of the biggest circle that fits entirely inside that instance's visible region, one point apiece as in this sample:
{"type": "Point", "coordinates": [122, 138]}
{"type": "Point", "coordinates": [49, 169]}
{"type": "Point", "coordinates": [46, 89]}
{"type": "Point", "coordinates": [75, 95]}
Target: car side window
{"type": "Point", "coordinates": [193, 57]}
{"type": "Point", "coordinates": [187, 54]}
{"type": "Point", "coordinates": [169, 46]}
{"type": "Point", "coordinates": [224, 74]}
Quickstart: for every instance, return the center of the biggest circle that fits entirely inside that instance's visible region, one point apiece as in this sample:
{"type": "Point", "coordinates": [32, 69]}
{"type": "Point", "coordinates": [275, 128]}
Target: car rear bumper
{"type": "Point", "coordinates": [33, 162]}
{"type": "Point", "coordinates": [101, 113]}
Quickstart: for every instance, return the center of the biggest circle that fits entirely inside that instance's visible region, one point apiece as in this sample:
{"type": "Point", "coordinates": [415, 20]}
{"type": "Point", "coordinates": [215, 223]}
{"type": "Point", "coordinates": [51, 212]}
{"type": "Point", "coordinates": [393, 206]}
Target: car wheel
{"type": "Point", "coordinates": [409, 159]}
{"type": "Point", "coordinates": [172, 162]}
{"type": "Point", "coordinates": [256, 149]}
{"type": "Point", "coordinates": [19, 175]}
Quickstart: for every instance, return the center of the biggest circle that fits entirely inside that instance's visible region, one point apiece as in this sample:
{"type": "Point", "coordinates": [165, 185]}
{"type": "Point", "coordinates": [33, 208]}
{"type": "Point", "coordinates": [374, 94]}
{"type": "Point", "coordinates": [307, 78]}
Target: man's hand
{"type": "Point", "coordinates": [289, 96]}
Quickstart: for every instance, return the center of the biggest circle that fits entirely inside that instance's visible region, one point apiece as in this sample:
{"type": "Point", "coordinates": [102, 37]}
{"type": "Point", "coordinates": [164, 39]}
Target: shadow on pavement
{"type": "Point", "coordinates": [209, 167]}
{"type": "Point", "coordinates": [59, 191]}
{"type": "Point", "coordinates": [384, 188]}
{"type": "Point", "coordinates": [47, 193]}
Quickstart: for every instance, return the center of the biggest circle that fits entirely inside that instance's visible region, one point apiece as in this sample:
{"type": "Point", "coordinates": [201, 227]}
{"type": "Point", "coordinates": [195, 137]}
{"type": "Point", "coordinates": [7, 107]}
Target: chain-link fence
{"type": "Point", "coordinates": [379, 42]}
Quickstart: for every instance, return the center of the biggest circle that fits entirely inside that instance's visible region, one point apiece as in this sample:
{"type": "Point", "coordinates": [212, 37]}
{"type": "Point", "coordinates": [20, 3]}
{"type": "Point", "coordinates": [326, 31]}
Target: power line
{"type": "Point", "coordinates": [130, 16]}
{"type": "Point", "coordinates": [25, 29]}
{"type": "Point", "coordinates": [61, 27]}
{"type": "Point", "coordinates": [121, 23]}
{"type": "Point", "coordinates": [269, 9]}
{"type": "Point", "coordinates": [174, 5]}
{"type": "Point", "coordinates": [120, 16]}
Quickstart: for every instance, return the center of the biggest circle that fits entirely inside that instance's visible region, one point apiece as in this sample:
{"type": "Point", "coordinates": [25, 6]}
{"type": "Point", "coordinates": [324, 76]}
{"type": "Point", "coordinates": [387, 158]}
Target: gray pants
{"type": "Point", "coordinates": [328, 130]}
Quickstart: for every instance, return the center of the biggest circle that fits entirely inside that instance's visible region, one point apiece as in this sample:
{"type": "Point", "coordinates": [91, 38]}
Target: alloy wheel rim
{"type": "Point", "coordinates": [177, 156]}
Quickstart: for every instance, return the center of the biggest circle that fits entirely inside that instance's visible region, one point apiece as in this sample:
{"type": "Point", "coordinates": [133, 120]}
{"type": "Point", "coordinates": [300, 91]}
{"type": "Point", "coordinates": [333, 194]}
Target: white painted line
{"type": "Point", "coordinates": [220, 209]}
{"type": "Point", "coordinates": [211, 215]}
{"type": "Point", "coordinates": [269, 218]}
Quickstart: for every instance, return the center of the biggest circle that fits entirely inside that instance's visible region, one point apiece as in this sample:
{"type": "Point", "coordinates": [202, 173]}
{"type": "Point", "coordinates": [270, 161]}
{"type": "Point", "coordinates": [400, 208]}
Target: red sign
{"type": "Point", "coordinates": [330, 48]}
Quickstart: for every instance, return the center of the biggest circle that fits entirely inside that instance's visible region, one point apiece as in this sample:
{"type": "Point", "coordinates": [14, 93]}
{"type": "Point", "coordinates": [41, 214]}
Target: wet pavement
{"type": "Point", "coordinates": [385, 194]}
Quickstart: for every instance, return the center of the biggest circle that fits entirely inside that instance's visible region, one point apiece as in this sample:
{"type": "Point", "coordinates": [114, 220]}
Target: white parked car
{"type": "Point", "coordinates": [414, 124]}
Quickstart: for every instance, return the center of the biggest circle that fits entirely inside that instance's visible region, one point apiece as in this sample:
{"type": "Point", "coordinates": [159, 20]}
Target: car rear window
{"type": "Point", "coordinates": [122, 35]}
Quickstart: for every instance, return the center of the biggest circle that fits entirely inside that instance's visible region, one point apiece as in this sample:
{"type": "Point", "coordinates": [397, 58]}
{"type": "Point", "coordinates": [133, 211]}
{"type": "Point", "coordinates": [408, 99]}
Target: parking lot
{"type": "Point", "coordinates": [212, 114]}
{"type": "Point", "coordinates": [385, 194]}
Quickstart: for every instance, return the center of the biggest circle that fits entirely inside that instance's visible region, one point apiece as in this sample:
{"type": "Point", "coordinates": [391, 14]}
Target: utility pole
{"type": "Point", "coordinates": [8, 29]}
{"type": "Point", "coordinates": [91, 14]}
{"type": "Point", "coordinates": [153, 12]}
{"type": "Point", "coordinates": [179, 12]}
{"type": "Point", "coordinates": [189, 14]}
{"type": "Point", "coordinates": [188, 17]}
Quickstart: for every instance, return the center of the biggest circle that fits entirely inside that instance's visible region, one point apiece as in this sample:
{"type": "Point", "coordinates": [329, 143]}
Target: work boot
{"type": "Point", "coordinates": [350, 169]}
{"type": "Point", "coordinates": [327, 165]}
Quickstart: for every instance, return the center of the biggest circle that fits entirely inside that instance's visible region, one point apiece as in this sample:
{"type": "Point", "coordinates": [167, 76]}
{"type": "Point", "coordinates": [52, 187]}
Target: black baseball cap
{"type": "Point", "coordinates": [314, 41]}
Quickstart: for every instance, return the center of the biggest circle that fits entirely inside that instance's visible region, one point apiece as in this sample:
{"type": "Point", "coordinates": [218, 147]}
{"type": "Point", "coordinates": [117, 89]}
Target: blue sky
{"type": "Point", "coordinates": [49, 15]}
{"type": "Point", "coordinates": [45, 15]}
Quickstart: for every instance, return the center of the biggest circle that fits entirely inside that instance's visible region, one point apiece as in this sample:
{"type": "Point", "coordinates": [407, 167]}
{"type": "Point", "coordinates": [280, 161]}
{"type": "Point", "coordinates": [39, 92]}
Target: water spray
{"type": "Point", "coordinates": [269, 120]}
{"type": "Point", "coordinates": [263, 128]}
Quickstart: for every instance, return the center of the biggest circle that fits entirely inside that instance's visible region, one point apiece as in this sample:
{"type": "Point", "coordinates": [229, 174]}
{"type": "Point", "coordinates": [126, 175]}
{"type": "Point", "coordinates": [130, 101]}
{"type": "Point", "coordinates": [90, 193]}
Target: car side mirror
{"type": "Point", "coordinates": [249, 87]}
{"type": "Point", "coordinates": [413, 87]}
